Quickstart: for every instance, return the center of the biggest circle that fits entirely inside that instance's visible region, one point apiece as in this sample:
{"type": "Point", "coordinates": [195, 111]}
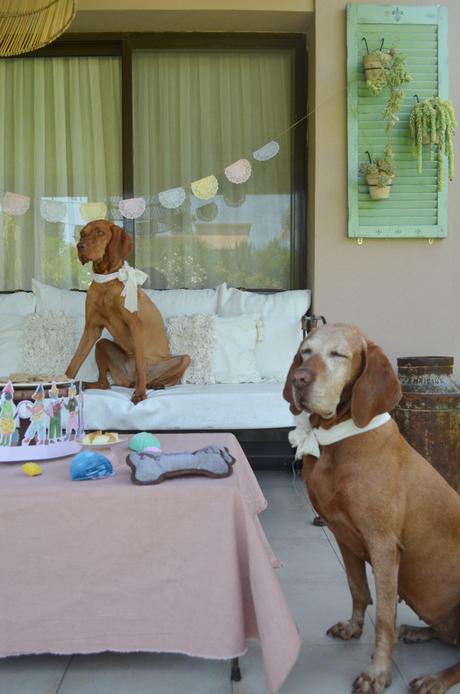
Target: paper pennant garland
{"type": "Point", "coordinates": [239, 171]}
{"type": "Point", "coordinates": [268, 151]}
{"type": "Point", "coordinates": [205, 188]}
{"type": "Point", "coordinates": [174, 197]}
{"type": "Point", "coordinates": [132, 208]}
{"type": "Point", "coordinates": [15, 204]}
{"type": "Point", "coordinates": [207, 213]}
{"type": "Point", "coordinates": [53, 210]}
{"type": "Point", "coordinates": [93, 210]}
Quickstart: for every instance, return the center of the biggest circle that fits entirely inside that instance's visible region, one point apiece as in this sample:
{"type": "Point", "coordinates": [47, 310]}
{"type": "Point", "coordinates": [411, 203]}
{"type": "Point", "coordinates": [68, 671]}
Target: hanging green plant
{"type": "Point", "coordinates": [432, 122]}
{"type": "Point", "coordinates": [379, 175]}
{"type": "Point", "coordinates": [387, 69]}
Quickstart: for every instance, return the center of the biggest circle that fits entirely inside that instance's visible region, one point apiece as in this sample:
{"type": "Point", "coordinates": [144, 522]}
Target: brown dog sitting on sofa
{"type": "Point", "coordinates": [139, 357]}
{"type": "Point", "coordinates": [385, 504]}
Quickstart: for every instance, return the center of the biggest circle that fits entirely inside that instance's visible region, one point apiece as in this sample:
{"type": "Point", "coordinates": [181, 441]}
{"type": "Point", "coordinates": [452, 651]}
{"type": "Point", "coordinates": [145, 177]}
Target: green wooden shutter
{"type": "Point", "coordinates": [414, 208]}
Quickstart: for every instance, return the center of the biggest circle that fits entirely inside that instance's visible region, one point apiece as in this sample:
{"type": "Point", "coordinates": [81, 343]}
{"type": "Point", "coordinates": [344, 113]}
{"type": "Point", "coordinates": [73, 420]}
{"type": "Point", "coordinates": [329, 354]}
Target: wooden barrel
{"type": "Point", "coordinates": [428, 415]}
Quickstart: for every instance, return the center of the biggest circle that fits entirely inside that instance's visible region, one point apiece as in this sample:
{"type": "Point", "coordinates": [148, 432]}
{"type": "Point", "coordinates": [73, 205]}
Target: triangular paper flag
{"type": "Point", "coordinates": [53, 210]}
{"type": "Point", "coordinates": [132, 208]}
{"type": "Point", "coordinates": [205, 188]}
{"type": "Point", "coordinates": [268, 151]}
{"type": "Point", "coordinates": [172, 198]}
{"type": "Point", "coordinates": [93, 210]}
{"type": "Point", "coordinates": [239, 171]}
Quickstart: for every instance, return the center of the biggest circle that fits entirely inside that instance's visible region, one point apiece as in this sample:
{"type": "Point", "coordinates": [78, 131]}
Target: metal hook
{"type": "Point", "coordinates": [369, 155]}
{"type": "Point", "coordinates": [381, 45]}
{"type": "Point", "coordinates": [416, 97]}
{"type": "Point", "coordinates": [365, 41]}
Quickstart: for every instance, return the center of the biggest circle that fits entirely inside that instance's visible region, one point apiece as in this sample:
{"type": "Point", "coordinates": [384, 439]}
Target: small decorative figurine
{"type": "Point", "coordinates": [72, 406]}
{"type": "Point", "coordinates": [38, 418]}
{"type": "Point", "coordinates": [7, 415]}
{"type": "Point", "coordinates": [55, 406]}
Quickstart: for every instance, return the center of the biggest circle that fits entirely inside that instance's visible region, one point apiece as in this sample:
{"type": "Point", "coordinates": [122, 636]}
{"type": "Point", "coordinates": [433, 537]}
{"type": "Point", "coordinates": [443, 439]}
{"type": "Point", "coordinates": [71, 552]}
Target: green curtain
{"type": "Point", "coordinates": [194, 114]}
{"type": "Point", "coordinates": [60, 138]}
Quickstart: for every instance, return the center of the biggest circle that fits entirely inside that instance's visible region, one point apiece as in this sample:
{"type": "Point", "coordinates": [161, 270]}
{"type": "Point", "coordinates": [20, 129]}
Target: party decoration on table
{"type": "Point", "coordinates": [93, 210]}
{"type": "Point", "coordinates": [32, 469]}
{"type": "Point", "coordinates": [142, 440]}
{"type": "Point", "coordinates": [52, 419]}
{"type": "Point", "coordinates": [7, 415]}
{"type": "Point", "coordinates": [153, 468]}
{"type": "Point", "coordinates": [205, 188]}
{"type": "Point", "coordinates": [132, 208]}
{"type": "Point", "coordinates": [90, 465]}
{"type": "Point", "coordinates": [15, 204]}
{"type": "Point", "coordinates": [52, 210]}
{"type": "Point", "coordinates": [268, 151]}
{"type": "Point", "coordinates": [172, 198]}
{"type": "Point", "coordinates": [238, 172]}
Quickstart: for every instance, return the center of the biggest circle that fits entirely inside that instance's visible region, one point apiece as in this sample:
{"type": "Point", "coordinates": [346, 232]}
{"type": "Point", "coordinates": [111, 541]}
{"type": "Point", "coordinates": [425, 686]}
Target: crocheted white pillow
{"type": "Point", "coordinates": [193, 335]}
{"type": "Point", "coordinates": [48, 342]}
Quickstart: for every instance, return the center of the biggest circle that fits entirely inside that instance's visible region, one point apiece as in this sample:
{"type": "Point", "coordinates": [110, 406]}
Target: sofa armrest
{"type": "Point", "coordinates": [310, 322]}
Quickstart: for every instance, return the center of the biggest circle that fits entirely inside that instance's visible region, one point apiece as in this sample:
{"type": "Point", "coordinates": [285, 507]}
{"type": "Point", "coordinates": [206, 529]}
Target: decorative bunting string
{"type": "Point", "coordinates": [203, 189]}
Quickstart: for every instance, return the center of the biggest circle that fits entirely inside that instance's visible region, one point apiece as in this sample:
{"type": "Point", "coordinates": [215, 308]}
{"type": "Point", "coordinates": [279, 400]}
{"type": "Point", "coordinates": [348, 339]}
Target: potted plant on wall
{"type": "Point", "coordinates": [379, 175]}
{"type": "Point", "coordinates": [387, 69]}
{"type": "Point", "coordinates": [432, 122]}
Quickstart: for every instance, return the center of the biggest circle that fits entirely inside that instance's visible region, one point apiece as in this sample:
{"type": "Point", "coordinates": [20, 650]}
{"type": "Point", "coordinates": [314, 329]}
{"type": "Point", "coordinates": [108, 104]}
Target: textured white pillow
{"type": "Point", "coordinates": [221, 349]}
{"type": "Point", "coordinates": [193, 335]}
{"type": "Point", "coordinates": [48, 342]}
{"type": "Point", "coordinates": [14, 308]}
{"type": "Point", "coordinates": [281, 313]}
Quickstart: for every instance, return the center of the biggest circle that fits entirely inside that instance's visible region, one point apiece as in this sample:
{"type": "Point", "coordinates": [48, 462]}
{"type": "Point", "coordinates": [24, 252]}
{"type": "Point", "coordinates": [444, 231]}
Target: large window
{"type": "Point", "coordinates": [85, 126]}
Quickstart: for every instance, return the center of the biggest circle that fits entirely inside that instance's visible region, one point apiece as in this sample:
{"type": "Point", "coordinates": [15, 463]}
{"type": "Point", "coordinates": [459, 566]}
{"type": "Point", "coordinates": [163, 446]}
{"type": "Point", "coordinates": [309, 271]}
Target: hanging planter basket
{"type": "Point", "coordinates": [376, 191]}
{"type": "Point", "coordinates": [373, 66]}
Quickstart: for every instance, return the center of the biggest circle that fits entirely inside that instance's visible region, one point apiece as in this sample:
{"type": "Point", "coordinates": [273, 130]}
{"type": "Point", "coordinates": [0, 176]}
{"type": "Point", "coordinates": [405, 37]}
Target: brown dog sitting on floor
{"type": "Point", "coordinates": [385, 503]}
{"type": "Point", "coordinates": [140, 356]}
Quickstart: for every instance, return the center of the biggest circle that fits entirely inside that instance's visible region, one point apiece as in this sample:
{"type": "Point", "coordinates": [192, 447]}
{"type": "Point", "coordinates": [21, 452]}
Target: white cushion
{"type": "Point", "coordinates": [215, 406]}
{"type": "Point", "coordinates": [51, 298]}
{"type": "Point", "coordinates": [10, 353]}
{"type": "Point", "coordinates": [221, 349]}
{"type": "Point", "coordinates": [281, 313]}
{"type": "Point", "coordinates": [16, 304]}
{"type": "Point", "coordinates": [183, 302]}
{"type": "Point", "coordinates": [48, 343]}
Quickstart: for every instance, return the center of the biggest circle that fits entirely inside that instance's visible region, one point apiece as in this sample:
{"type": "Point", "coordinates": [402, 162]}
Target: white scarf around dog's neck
{"type": "Point", "coordinates": [307, 440]}
{"type": "Point", "coordinates": [131, 278]}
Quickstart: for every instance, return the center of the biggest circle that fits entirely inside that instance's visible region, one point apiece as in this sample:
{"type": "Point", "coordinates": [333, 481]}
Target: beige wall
{"type": "Point", "coordinates": [405, 294]}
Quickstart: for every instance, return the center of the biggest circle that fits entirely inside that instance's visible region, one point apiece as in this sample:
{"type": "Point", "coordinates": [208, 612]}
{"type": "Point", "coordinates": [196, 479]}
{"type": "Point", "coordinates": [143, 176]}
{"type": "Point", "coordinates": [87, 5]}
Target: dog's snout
{"type": "Point", "coordinates": [303, 377]}
{"type": "Point", "coordinates": [80, 246]}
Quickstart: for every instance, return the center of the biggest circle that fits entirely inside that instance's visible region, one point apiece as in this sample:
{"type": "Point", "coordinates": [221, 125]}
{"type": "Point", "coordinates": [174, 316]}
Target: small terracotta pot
{"type": "Point", "coordinates": [377, 192]}
{"type": "Point", "coordinates": [373, 67]}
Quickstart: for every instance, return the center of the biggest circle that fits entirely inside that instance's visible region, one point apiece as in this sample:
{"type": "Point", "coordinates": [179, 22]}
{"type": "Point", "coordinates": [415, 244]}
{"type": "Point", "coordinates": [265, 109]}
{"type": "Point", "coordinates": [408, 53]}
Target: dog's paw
{"type": "Point", "coordinates": [138, 396]}
{"type": "Point", "coordinates": [368, 683]}
{"type": "Point", "coordinates": [428, 684]}
{"type": "Point", "coordinates": [346, 630]}
{"type": "Point", "coordinates": [410, 634]}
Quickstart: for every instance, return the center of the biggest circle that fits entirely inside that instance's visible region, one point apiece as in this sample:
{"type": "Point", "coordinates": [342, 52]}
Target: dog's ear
{"type": "Point", "coordinates": [377, 389]}
{"type": "Point", "coordinates": [119, 246]}
{"type": "Point", "coordinates": [287, 390]}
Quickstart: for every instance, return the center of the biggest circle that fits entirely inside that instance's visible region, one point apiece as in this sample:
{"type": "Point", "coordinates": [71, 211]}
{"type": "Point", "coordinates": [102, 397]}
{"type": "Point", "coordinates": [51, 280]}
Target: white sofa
{"type": "Point", "coordinates": [247, 341]}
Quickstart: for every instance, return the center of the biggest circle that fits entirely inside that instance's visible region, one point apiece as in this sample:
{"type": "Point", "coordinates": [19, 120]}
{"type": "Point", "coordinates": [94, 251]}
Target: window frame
{"type": "Point", "coordinates": [123, 46]}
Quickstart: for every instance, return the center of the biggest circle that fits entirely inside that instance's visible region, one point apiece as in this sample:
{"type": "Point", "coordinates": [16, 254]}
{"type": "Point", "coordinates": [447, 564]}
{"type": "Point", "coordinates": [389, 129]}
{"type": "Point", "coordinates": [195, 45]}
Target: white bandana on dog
{"type": "Point", "coordinates": [307, 440]}
{"type": "Point", "coordinates": [131, 278]}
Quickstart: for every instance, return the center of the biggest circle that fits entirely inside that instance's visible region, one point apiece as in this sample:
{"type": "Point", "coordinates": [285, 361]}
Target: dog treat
{"type": "Point", "coordinates": [101, 438]}
{"type": "Point", "coordinates": [32, 469]}
{"type": "Point", "coordinates": [142, 440]}
{"type": "Point", "coordinates": [153, 468]}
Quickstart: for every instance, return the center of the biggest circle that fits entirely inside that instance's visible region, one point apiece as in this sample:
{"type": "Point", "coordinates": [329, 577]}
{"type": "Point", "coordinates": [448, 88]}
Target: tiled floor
{"type": "Point", "coordinates": [315, 587]}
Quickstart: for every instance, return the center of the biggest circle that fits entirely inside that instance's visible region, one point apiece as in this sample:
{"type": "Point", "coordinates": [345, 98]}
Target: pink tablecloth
{"type": "Point", "coordinates": [181, 567]}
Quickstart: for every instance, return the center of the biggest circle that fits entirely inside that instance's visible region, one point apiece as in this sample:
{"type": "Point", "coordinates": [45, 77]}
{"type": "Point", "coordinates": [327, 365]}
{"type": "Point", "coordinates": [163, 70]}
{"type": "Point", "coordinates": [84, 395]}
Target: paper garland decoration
{"type": "Point", "coordinates": [53, 210]}
{"type": "Point", "coordinates": [93, 210]}
{"type": "Point", "coordinates": [174, 197]}
{"type": "Point", "coordinates": [15, 204]}
{"type": "Point", "coordinates": [207, 213]}
{"type": "Point", "coordinates": [239, 171]}
{"type": "Point", "coordinates": [268, 151]}
{"type": "Point", "coordinates": [205, 188]}
{"type": "Point", "coordinates": [132, 208]}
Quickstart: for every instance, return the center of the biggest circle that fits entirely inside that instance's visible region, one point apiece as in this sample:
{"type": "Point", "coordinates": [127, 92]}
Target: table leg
{"type": "Point", "coordinates": [235, 673]}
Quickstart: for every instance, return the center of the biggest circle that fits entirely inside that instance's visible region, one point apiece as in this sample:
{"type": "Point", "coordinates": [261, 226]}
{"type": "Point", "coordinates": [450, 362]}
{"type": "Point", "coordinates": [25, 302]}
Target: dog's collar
{"type": "Point", "coordinates": [307, 440]}
{"type": "Point", "coordinates": [130, 277]}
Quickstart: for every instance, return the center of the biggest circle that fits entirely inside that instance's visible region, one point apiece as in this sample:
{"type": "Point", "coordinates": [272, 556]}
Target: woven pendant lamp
{"type": "Point", "coordinates": [26, 25]}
